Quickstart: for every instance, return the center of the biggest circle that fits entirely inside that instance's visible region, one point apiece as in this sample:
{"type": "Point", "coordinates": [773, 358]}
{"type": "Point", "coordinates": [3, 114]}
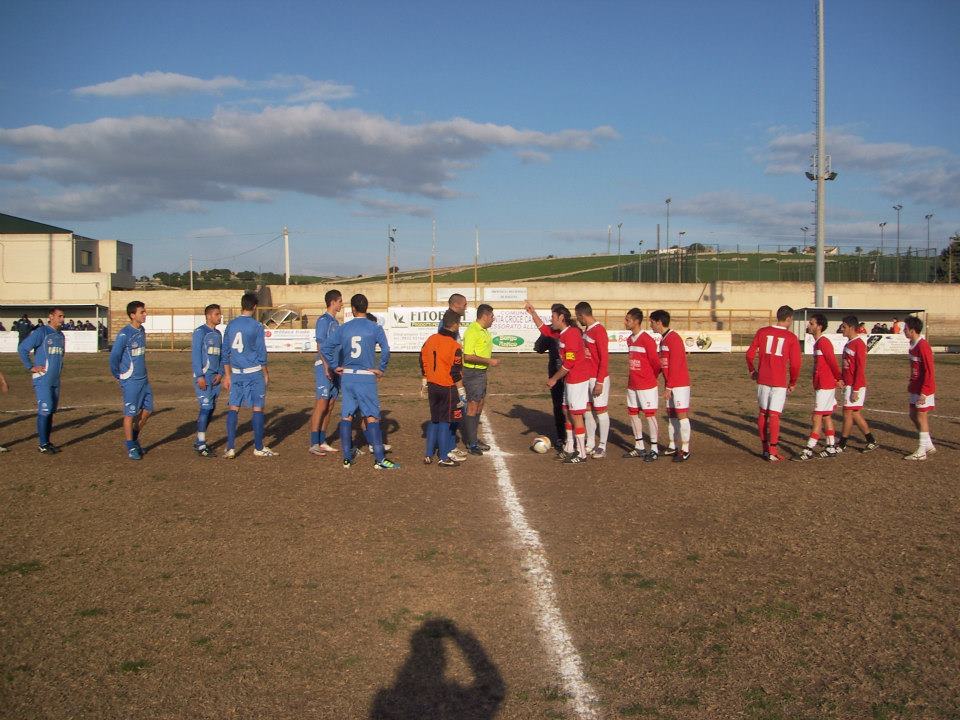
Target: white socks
{"type": "Point", "coordinates": [654, 429]}
{"type": "Point", "coordinates": [603, 421]}
{"type": "Point", "coordinates": [685, 434]}
{"type": "Point", "coordinates": [591, 424]}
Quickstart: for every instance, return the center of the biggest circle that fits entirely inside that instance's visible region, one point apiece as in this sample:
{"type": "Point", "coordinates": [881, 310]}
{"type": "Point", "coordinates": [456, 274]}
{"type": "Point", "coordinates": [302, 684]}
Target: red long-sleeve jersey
{"type": "Point", "coordinates": [643, 361]}
{"type": "Point", "coordinates": [572, 353]}
{"type": "Point", "coordinates": [597, 344]}
{"type": "Point", "coordinates": [922, 381]}
{"type": "Point", "coordinates": [854, 370]}
{"type": "Point", "coordinates": [826, 372]}
{"type": "Point", "coordinates": [673, 360]}
{"type": "Point", "coordinates": [773, 347]}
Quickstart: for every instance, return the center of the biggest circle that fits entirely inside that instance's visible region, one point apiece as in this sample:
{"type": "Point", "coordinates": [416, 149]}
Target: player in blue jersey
{"type": "Point", "coordinates": [205, 357]}
{"type": "Point", "coordinates": [351, 352]}
{"type": "Point", "coordinates": [245, 374]}
{"type": "Point", "coordinates": [327, 381]}
{"type": "Point", "coordinates": [128, 364]}
{"type": "Point", "coordinates": [46, 342]}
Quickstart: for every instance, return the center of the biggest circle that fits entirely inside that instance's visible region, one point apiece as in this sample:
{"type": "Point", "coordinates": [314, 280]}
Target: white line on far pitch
{"type": "Point", "coordinates": [553, 630]}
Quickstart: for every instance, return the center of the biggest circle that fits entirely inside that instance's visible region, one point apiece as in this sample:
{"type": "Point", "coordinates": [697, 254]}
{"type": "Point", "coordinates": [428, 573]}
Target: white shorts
{"type": "Point", "coordinates": [600, 401]}
{"type": "Point", "coordinates": [825, 402]}
{"type": "Point", "coordinates": [848, 403]}
{"type": "Point", "coordinates": [926, 406]}
{"type": "Point", "coordinates": [646, 400]}
{"type": "Point", "coordinates": [771, 399]}
{"type": "Point", "coordinates": [576, 397]}
{"type": "Point", "coordinates": [679, 400]}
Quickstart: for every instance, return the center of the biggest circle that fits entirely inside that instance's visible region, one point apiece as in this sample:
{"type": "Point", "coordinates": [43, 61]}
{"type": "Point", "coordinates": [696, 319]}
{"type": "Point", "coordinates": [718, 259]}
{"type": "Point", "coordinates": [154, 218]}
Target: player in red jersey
{"type": "Point", "coordinates": [826, 377]}
{"type": "Point", "coordinates": [922, 386]}
{"type": "Point", "coordinates": [575, 372]}
{"type": "Point", "coordinates": [853, 379]}
{"type": "Point", "coordinates": [643, 364]}
{"type": "Point", "coordinates": [673, 361]}
{"type": "Point", "coordinates": [596, 345]}
{"type": "Point", "coordinates": [772, 349]}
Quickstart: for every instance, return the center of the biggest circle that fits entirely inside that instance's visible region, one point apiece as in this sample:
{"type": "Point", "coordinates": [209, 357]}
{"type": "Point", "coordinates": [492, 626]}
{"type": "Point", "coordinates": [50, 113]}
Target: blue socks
{"type": "Point", "coordinates": [372, 433]}
{"type": "Point", "coordinates": [447, 439]}
{"type": "Point", "coordinates": [346, 429]}
{"type": "Point", "coordinates": [131, 444]}
{"type": "Point", "coordinates": [321, 437]}
{"type": "Point", "coordinates": [259, 423]}
{"type": "Point", "coordinates": [231, 428]}
{"type": "Point", "coordinates": [43, 434]}
{"type": "Point", "coordinates": [203, 419]}
{"type": "Point", "coordinates": [314, 437]}
{"type": "Point", "coordinates": [433, 431]}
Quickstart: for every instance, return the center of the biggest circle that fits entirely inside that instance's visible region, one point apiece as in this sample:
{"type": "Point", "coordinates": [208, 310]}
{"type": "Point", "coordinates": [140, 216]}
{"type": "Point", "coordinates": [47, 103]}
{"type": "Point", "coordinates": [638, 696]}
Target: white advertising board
{"type": "Point", "coordinates": [75, 341]}
{"type": "Point", "coordinates": [9, 341]}
{"type": "Point", "coordinates": [695, 341]}
{"type": "Point", "coordinates": [876, 344]}
{"type": "Point", "coordinates": [504, 294]}
{"type": "Point", "coordinates": [290, 340]}
{"type": "Point", "coordinates": [176, 323]}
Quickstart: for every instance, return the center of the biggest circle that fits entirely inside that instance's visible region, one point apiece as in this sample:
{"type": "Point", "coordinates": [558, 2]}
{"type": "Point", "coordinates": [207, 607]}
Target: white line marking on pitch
{"type": "Point", "coordinates": [553, 630]}
{"type": "Point", "coordinates": [900, 412]}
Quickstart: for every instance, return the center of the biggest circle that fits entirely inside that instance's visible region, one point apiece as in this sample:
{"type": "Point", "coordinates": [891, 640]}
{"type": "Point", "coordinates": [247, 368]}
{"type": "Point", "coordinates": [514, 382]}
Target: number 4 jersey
{"type": "Point", "coordinates": [773, 347]}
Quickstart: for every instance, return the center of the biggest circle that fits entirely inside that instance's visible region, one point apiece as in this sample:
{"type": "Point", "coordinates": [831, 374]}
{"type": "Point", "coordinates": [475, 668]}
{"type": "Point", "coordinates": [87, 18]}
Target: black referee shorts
{"type": "Point", "coordinates": [443, 403]}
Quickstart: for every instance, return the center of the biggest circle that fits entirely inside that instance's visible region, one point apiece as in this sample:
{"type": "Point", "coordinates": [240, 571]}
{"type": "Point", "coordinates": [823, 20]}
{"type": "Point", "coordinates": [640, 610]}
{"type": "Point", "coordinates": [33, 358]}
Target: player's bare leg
{"type": "Point", "coordinates": [809, 452]}
{"type": "Point", "coordinates": [579, 433]}
{"type": "Point", "coordinates": [133, 425]}
{"type": "Point", "coordinates": [319, 422]}
{"type": "Point", "coordinates": [853, 417]}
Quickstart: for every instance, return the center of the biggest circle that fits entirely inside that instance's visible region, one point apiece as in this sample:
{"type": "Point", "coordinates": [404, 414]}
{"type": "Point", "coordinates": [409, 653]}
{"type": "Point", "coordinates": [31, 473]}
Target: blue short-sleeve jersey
{"type": "Point", "coordinates": [47, 346]}
{"type": "Point", "coordinates": [205, 351]}
{"type": "Point", "coordinates": [353, 346]}
{"type": "Point", "coordinates": [244, 346]}
{"type": "Point", "coordinates": [326, 325]}
{"type": "Point", "coordinates": [128, 359]}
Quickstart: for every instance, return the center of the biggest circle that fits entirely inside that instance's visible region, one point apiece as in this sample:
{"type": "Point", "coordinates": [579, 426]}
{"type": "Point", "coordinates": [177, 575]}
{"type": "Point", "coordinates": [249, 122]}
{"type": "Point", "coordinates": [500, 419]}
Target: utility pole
{"type": "Point", "coordinates": [898, 207]}
{"type": "Point", "coordinates": [658, 238]}
{"type": "Point", "coordinates": [191, 273]}
{"type": "Point", "coordinates": [880, 256]}
{"type": "Point", "coordinates": [680, 255]}
{"type": "Point", "coordinates": [929, 259]}
{"type": "Point", "coordinates": [619, 228]}
{"type": "Point", "coordinates": [433, 255]}
{"type": "Point", "coordinates": [286, 255]}
{"type": "Point", "coordinates": [609, 231]}
{"type": "Point", "coordinates": [390, 241]}
{"type": "Point", "coordinates": [476, 260]}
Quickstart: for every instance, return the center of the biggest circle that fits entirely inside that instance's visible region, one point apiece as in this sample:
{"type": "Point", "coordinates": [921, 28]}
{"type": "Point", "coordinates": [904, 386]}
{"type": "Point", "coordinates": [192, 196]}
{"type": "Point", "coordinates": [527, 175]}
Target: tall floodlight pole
{"type": "Point", "coordinates": [898, 207]}
{"type": "Point", "coordinates": [391, 231]}
{"type": "Point", "coordinates": [191, 257]}
{"type": "Point", "coordinates": [880, 256]}
{"type": "Point", "coordinates": [609, 233]}
{"type": "Point", "coordinates": [927, 218]}
{"type": "Point", "coordinates": [286, 256]}
{"type": "Point", "coordinates": [680, 255]}
{"type": "Point", "coordinates": [476, 260]}
{"type": "Point", "coordinates": [619, 228]}
{"type": "Point", "coordinates": [805, 229]}
{"type": "Point", "coordinates": [668, 239]}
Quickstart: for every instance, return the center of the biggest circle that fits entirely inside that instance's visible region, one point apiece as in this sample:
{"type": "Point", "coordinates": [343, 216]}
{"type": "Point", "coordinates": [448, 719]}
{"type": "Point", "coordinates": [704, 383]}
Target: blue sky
{"type": "Point", "coordinates": [205, 127]}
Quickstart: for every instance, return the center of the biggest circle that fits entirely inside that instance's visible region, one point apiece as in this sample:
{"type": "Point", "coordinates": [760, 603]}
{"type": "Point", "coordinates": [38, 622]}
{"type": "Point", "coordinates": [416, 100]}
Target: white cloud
{"type": "Point", "coordinates": [387, 208]}
{"type": "Point", "coordinates": [530, 157]}
{"type": "Point", "coordinates": [117, 166]}
{"type": "Point", "coordinates": [159, 83]}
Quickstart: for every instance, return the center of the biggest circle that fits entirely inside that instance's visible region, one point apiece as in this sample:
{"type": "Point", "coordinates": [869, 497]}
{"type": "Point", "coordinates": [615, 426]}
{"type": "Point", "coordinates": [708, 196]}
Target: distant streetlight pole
{"type": "Point", "coordinates": [880, 256]}
{"type": "Point", "coordinates": [391, 239]}
{"type": "Point", "coordinates": [668, 238]}
{"type": "Point", "coordinates": [805, 229]}
{"type": "Point", "coordinates": [619, 228]}
{"type": "Point", "coordinates": [929, 259]}
{"type": "Point", "coordinates": [639, 258]}
{"type": "Point", "coordinates": [898, 207]}
{"type": "Point", "coordinates": [680, 255]}
{"type": "Point", "coordinates": [609, 233]}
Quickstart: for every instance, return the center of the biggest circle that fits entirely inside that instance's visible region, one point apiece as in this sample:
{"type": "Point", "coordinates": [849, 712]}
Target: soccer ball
{"type": "Point", "coordinates": [541, 445]}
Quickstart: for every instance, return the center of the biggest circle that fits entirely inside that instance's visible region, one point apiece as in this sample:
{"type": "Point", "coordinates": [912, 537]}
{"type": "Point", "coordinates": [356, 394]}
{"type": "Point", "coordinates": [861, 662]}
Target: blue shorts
{"type": "Point", "coordinates": [327, 389]}
{"type": "Point", "coordinates": [207, 398]}
{"type": "Point", "coordinates": [360, 394]}
{"type": "Point", "coordinates": [247, 390]}
{"type": "Point", "coordinates": [137, 396]}
{"type": "Point", "coordinates": [48, 397]}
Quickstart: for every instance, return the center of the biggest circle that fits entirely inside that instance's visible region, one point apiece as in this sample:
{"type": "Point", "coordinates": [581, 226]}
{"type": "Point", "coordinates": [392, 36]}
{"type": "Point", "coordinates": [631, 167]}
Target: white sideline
{"type": "Point", "coordinates": [553, 630]}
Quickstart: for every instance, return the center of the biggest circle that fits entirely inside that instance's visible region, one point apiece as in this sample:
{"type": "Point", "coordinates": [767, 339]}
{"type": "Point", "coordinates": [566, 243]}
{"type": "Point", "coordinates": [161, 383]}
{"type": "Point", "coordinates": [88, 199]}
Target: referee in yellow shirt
{"type": "Point", "coordinates": [477, 352]}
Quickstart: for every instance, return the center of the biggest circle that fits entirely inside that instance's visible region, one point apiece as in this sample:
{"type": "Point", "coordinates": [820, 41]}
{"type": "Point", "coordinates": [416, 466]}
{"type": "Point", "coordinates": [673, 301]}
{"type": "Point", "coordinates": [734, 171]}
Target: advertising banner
{"type": "Point", "coordinates": [876, 344]}
{"type": "Point", "coordinates": [9, 341]}
{"type": "Point", "coordinates": [695, 341]}
{"type": "Point", "coordinates": [504, 294]}
{"type": "Point", "coordinates": [290, 340]}
{"type": "Point", "coordinates": [75, 341]}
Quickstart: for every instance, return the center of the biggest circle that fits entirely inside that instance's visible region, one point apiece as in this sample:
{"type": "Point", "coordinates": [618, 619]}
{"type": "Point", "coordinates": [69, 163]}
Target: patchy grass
{"type": "Point", "coordinates": [24, 568]}
{"type": "Point", "coordinates": [134, 666]}
{"type": "Point", "coordinates": [391, 624]}
{"type": "Point", "coordinates": [91, 612]}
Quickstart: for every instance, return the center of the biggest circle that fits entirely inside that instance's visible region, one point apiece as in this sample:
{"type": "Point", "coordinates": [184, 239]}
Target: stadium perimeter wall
{"type": "Point", "coordinates": [728, 305]}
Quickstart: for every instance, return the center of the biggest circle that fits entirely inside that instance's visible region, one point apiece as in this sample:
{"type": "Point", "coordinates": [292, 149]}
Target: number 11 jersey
{"type": "Point", "coordinates": [772, 348]}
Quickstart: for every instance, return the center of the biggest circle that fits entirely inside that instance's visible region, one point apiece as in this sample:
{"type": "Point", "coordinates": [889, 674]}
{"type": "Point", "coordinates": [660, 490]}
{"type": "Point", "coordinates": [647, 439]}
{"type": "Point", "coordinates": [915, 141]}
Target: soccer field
{"type": "Point", "coordinates": [511, 587]}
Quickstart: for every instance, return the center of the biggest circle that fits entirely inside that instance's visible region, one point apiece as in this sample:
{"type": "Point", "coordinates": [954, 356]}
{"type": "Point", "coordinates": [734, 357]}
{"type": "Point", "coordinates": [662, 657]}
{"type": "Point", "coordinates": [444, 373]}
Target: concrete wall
{"type": "Point", "coordinates": [40, 268]}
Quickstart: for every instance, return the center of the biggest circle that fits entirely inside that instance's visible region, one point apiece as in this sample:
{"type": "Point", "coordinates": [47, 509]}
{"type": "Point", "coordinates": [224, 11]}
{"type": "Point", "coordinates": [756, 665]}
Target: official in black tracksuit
{"type": "Point", "coordinates": [545, 344]}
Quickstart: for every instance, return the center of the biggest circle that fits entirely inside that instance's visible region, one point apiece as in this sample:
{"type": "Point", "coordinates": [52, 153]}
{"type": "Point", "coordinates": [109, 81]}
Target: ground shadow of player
{"type": "Point", "coordinates": [16, 418]}
{"type": "Point", "coordinates": [117, 424]}
{"type": "Point", "coordinates": [623, 433]}
{"type": "Point", "coordinates": [388, 425]}
{"type": "Point", "coordinates": [60, 427]}
{"type": "Point", "coordinates": [288, 424]}
{"type": "Point", "coordinates": [698, 426]}
{"type": "Point", "coordinates": [537, 421]}
{"type": "Point", "coordinates": [420, 689]}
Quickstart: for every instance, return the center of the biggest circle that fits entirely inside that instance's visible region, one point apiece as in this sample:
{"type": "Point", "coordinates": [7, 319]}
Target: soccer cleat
{"type": "Point", "coordinates": [806, 454]}
{"type": "Point", "coordinates": [574, 459]}
{"type": "Point", "coordinates": [774, 457]}
{"type": "Point", "coordinates": [474, 450]}
{"type": "Point", "coordinates": [265, 452]}
{"type": "Point", "coordinates": [483, 446]}
{"type": "Point", "coordinates": [870, 446]}
{"type": "Point", "coordinates": [681, 456]}
{"type": "Point", "coordinates": [51, 449]}
{"type": "Point", "coordinates": [369, 449]}
{"type": "Point", "coordinates": [447, 463]}
{"type": "Point", "coordinates": [564, 455]}
{"type": "Point", "coordinates": [636, 453]}
{"type": "Point", "coordinates": [326, 447]}
{"type": "Point", "coordinates": [651, 456]}
{"type": "Point", "coordinates": [838, 449]}
{"type": "Point", "coordinates": [828, 452]}
{"type": "Point", "coordinates": [919, 454]}
{"type": "Point", "coordinates": [229, 454]}
{"type": "Point", "coordinates": [599, 454]}
{"type": "Point", "coordinates": [3, 449]}
{"type": "Point", "coordinates": [386, 464]}
{"type": "Point", "coordinates": [670, 451]}
{"type": "Point", "coordinates": [347, 464]}
{"type": "Point", "coordinates": [203, 450]}
{"type": "Point", "coordinates": [457, 455]}
{"type": "Point", "coordinates": [317, 450]}
{"type": "Point", "coordinates": [428, 461]}
{"type": "Point", "coordinates": [930, 449]}
{"type": "Point", "coordinates": [134, 453]}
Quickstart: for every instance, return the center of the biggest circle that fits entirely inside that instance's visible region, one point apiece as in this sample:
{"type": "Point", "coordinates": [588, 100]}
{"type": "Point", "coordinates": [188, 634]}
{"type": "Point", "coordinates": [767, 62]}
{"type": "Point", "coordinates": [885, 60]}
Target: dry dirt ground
{"type": "Point", "coordinates": [290, 588]}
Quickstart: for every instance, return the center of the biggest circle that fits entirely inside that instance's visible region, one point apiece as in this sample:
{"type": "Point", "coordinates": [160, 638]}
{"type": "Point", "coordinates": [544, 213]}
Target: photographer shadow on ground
{"type": "Point", "coordinates": [422, 688]}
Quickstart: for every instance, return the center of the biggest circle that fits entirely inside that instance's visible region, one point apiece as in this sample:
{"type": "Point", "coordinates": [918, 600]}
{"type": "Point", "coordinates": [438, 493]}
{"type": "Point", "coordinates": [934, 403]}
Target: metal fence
{"type": "Point", "coordinates": [756, 264]}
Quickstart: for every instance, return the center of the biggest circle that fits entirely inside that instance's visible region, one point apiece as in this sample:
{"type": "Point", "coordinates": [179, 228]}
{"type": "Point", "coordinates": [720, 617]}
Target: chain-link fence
{"type": "Point", "coordinates": [707, 264]}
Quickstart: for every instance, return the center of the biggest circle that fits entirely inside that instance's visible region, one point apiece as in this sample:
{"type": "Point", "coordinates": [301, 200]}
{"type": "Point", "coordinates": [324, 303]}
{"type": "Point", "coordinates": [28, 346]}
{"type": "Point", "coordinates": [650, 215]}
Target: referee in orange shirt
{"type": "Point", "coordinates": [441, 364]}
